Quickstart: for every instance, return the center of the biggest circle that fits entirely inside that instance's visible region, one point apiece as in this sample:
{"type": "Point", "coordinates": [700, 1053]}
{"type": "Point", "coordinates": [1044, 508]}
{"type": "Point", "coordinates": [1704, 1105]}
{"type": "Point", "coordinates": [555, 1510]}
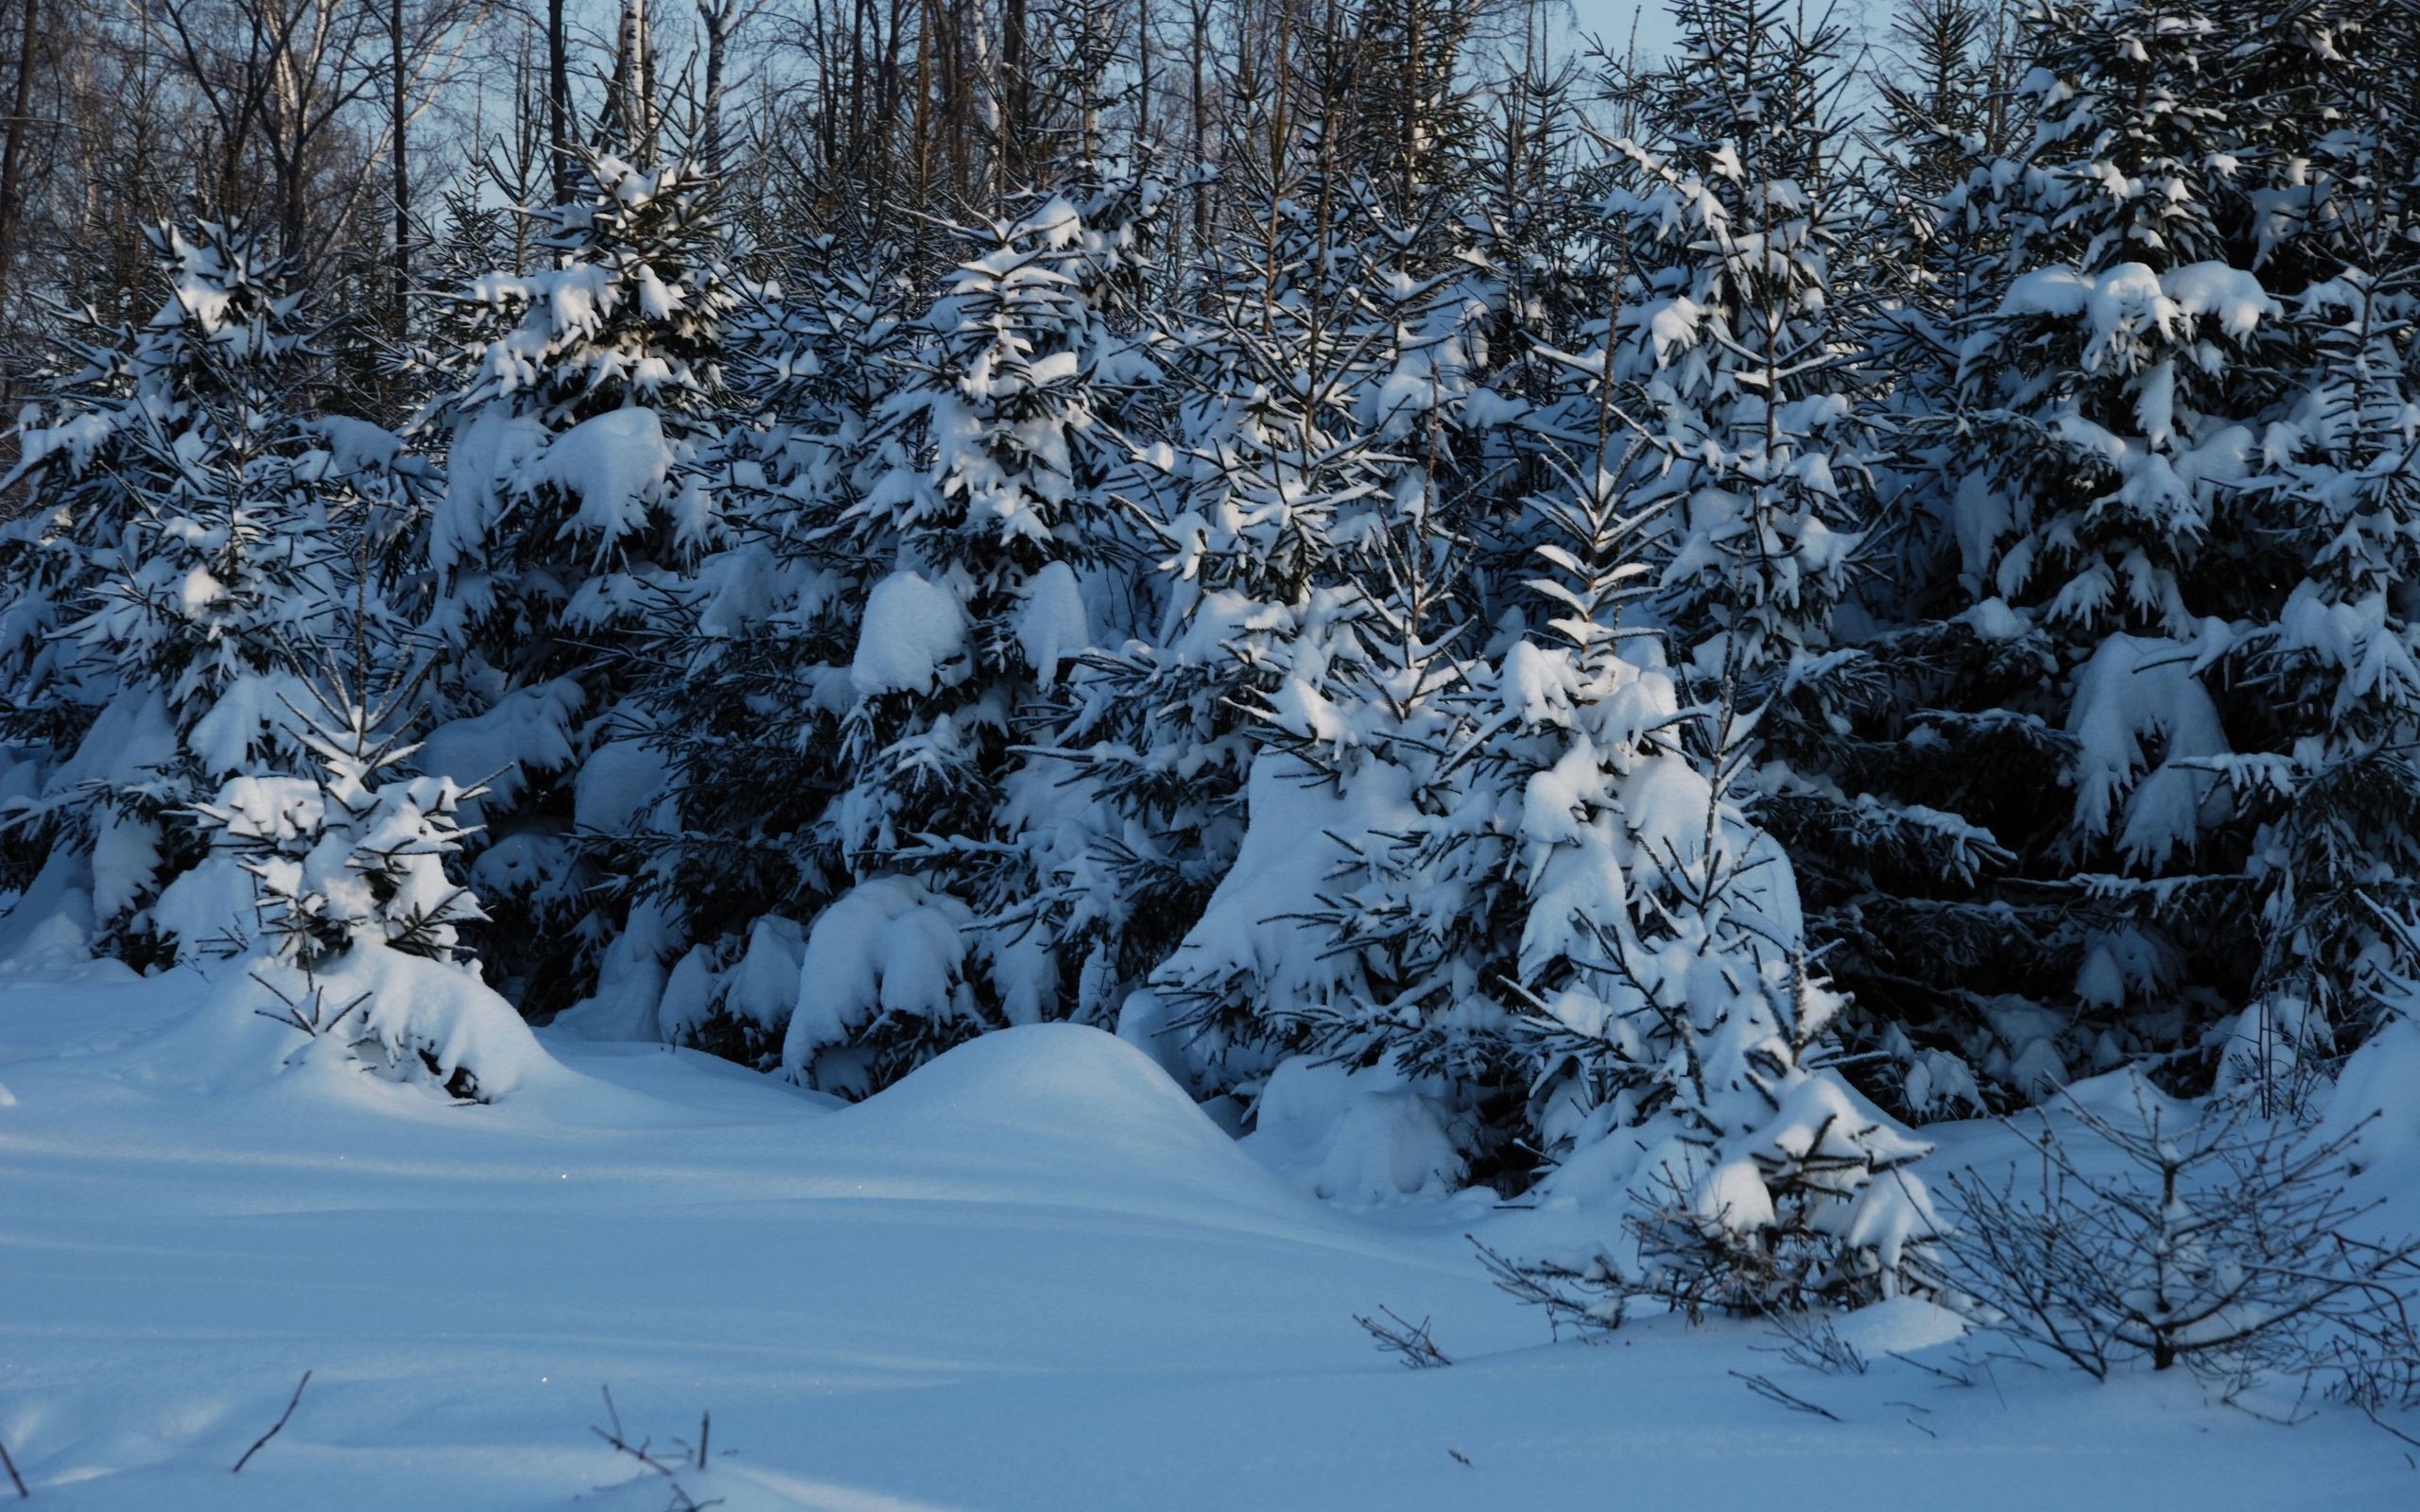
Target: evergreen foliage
{"type": "Point", "coordinates": [1621, 642]}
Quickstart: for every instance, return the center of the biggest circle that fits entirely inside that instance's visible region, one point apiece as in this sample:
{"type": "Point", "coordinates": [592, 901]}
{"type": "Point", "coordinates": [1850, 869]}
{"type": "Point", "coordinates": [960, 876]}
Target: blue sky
{"type": "Point", "coordinates": [1611, 19]}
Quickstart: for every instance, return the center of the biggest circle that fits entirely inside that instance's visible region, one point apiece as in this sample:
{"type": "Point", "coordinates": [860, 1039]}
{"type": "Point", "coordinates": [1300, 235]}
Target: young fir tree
{"type": "Point", "coordinates": [2322, 686]}
{"type": "Point", "coordinates": [741, 676]}
{"type": "Point", "coordinates": [572, 411]}
{"type": "Point", "coordinates": [358, 945]}
{"type": "Point", "coordinates": [1742, 372]}
{"type": "Point", "coordinates": [1733, 212]}
{"type": "Point", "coordinates": [199, 534]}
{"type": "Point", "coordinates": [1313, 486]}
{"type": "Point", "coordinates": [983, 534]}
{"type": "Point", "coordinates": [1629, 949]}
{"type": "Point", "coordinates": [2107, 427]}
{"type": "Point", "coordinates": [2126, 432]}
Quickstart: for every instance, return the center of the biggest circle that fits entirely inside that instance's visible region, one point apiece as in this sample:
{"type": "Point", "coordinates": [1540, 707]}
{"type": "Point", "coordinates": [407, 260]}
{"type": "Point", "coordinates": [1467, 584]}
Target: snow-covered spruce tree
{"type": "Point", "coordinates": [981, 531]}
{"type": "Point", "coordinates": [357, 946]}
{"type": "Point", "coordinates": [1684, 1064]}
{"type": "Point", "coordinates": [200, 531]}
{"type": "Point", "coordinates": [1232, 492]}
{"type": "Point", "coordinates": [2134, 544]}
{"type": "Point", "coordinates": [352, 854]}
{"type": "Point", "coordinates": [1740, 365]}
{"type": "Point", "coordinates": [1947, 114]}
{"type": "Point", "coordinates": [1323, 458]}
{"type": "Point", "coordinates": [1733, 212]}
{"type": "Point", "coordinates": [742, 676]}
{"type": "Point", "coordinates": [1537, 241]}
{"type": "Point", "coordinates": [2321, 690]}
{"type": "Point", "coordinates": [572, 408]}
{"type": "Point", "coordinates": [1071, 899]}
{"type": "Point", "coordinates": [1895, 834]}
{"type": "Point", "coordinates": [1266, 462]}
{"type": "Point", "coordinates": [1598, 910]}
{"type": "Point", "coordinates": [1313, 949]}
{"type": "Point", "coordinates": [1334, 458]}
{"type": "Point", "coordinates": [53, 554]}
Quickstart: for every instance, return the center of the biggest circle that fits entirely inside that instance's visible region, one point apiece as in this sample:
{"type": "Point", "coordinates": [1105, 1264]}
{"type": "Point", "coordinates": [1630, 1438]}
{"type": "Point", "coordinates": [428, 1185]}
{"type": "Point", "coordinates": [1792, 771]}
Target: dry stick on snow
{"type": "Point", "coordinates": [619, 1441]}
{"type": "Point", "coordinates": [1407, 1339]}
{"type": "Point", "coordinates": [14, 1479]}
{"type": "Point", "coordinates": [291, 1403]}
{"type": "Point", "coordinates": [1763, 1386]}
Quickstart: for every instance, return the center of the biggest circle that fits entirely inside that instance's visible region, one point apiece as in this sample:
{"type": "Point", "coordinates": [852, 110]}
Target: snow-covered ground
{"type": "Point", "coordinates": [1033, 1276]}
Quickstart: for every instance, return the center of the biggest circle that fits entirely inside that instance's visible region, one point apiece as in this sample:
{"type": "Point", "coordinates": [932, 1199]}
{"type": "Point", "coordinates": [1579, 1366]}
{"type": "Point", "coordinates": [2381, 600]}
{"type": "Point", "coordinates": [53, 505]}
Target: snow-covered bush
{"type": "Point", "coordinates": [356, 938]}
{"type": "Point", "coordinates": [883, 985]}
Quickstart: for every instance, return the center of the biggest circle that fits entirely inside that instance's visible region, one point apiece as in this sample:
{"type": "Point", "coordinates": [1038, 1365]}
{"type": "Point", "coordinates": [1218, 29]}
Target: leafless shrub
{"type": "Point", "coordinates": [2225, 1245]}
{"type": "Point", "coordinates": [1763, 1386]}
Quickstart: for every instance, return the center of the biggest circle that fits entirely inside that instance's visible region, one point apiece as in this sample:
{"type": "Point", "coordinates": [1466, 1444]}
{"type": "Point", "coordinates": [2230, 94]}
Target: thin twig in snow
{"type": "Point", "coordinates": [1407, 1339]}
{"type": "Point", "coordinates": [1763, 1386]}
{"type": "Point", "coordinates": [291, 1403]}
{"type": "Point", "coordinates": [642, 1453]}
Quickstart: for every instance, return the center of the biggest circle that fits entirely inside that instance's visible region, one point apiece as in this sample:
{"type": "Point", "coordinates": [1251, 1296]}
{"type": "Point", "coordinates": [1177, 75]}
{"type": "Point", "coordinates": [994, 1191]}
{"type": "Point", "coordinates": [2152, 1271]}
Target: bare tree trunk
{"type": "Point", "coordinates": [1015, 100]}
{"type": "Point", "coordinates": [1201, 120]}
{"type": "Point", "coordinates": [559, 100]}
{"type": "Point", "coordinates": [399, 105]}
{"type": "Point", "coordinates": [12, 156]}
{"type": "Point", "coordinates": [1143, 131]}
{"type": "Point", "coordinates": [716, 17]}
{"type": "Point", "coordinates": [643, 122]}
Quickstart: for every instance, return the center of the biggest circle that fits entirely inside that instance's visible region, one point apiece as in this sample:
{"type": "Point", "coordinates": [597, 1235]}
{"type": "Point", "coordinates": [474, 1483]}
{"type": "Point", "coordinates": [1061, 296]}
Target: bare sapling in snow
{"type": "Point", "coordinates": [1764, 1386]}
{"type": "Point", "coordinates": [2207, 1239]}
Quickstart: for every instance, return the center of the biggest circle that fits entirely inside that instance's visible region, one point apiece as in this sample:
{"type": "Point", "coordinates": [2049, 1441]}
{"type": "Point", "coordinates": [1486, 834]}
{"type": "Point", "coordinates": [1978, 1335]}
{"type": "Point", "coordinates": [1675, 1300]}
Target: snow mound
{"type": "Point", "coordinates": [1900, 1325]}
{"type": "Point", "coordinates": [2372, 1102]}
{"type": "Point", "coordinates": [1053, 1112]}
{"type": "Point", "coordinates": [1363, 1136]}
